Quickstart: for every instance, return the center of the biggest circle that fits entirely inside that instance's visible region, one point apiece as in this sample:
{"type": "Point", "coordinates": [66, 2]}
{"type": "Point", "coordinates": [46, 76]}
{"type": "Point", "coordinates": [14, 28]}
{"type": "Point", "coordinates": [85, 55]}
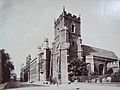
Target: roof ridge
{"type": "Point", "coordinates": [99, 52]}
{"type": "Point", "coordinates": [98, 48]}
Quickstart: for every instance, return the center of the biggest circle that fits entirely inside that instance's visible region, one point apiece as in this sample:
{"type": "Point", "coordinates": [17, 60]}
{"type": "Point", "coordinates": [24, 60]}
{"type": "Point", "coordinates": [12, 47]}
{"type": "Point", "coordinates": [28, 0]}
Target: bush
{"type": "Point", "coordinates": [115, 77]}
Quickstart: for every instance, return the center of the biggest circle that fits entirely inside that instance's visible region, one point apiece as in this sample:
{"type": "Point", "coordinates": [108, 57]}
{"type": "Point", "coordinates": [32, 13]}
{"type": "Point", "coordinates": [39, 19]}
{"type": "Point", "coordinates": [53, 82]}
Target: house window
{"type": "Point", "coordinates": [73, 28]}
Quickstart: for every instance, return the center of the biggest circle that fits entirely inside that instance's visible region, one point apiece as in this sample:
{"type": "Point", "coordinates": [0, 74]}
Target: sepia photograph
{"type": "Point", "coordinates": [59, 44]}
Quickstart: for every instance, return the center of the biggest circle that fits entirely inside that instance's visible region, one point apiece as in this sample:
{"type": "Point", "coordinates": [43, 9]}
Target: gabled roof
{"type": "Point", "coordinates": [88, 50]}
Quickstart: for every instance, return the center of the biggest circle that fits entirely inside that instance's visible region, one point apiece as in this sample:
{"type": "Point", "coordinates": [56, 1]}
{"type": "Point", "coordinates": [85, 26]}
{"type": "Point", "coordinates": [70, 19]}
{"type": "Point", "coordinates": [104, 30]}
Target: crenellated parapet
{"type": "Point", "coordinates": [67, 16]}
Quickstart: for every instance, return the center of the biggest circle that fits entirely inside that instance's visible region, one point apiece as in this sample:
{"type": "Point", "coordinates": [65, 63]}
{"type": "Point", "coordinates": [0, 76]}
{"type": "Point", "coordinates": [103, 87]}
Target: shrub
{"type": "Point", "coordinates": [115, 77]}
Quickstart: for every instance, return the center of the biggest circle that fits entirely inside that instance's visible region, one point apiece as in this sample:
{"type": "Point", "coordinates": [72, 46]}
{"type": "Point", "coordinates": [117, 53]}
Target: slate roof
{"type": "Point", "coordinates": [88, 50]}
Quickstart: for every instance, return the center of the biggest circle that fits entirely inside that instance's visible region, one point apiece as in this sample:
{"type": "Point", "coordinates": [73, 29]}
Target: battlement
{"type": "Point", "coordinates": [67, 15]}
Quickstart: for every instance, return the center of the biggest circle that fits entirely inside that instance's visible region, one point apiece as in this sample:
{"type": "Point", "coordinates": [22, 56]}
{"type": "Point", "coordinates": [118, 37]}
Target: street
{"type": "Point", "coordinates": [16, 85]}
{"type": "Point", "coordinates": [73, 86]}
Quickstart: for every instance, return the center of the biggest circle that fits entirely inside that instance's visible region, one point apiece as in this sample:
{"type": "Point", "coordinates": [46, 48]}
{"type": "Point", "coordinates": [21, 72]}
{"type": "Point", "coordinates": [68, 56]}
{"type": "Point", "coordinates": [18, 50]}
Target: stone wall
{"type": "Point", "coordinates": [65, 46]}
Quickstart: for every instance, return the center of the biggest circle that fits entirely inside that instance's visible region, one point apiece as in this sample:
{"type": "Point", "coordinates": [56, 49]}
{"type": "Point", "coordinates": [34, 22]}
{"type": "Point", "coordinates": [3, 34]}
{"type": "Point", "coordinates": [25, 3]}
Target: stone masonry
{"type": "Point", "coordinates": [66, 45]}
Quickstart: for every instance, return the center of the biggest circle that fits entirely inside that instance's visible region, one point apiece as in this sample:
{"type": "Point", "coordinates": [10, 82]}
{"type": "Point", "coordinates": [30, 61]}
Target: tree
{"type": "Point", "coordinates": [7, 66]}
{"type": "Point", "coordinates": [115, 77]}
{"type": "Point", "coordinates": [77, 68]}
{"type": "Point", "coordinates": [10, 65]}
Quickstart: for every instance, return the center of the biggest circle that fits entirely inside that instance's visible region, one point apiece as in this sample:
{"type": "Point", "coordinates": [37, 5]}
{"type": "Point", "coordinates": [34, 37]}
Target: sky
{"type": "Point", "coordinates": [25, 23]}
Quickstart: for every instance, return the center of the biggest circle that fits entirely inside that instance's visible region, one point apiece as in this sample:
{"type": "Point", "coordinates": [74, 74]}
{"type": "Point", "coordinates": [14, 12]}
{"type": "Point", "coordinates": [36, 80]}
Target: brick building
{"type": "Point", "coordinates": [25, 70]}
{"type": "Point", "coordinates": [38, 68]}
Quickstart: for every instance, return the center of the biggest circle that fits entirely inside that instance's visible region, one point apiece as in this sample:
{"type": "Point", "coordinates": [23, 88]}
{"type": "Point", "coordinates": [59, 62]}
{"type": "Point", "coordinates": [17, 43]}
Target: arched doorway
{"type": "Point", "coordinates": [101, 67]}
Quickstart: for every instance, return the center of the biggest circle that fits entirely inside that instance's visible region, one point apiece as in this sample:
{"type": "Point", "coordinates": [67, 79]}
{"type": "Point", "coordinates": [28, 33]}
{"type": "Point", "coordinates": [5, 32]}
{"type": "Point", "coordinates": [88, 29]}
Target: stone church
{"type": "Point", "coordinates": [54, 63]}
{"type": "Point", "coordinates": [68, 46]}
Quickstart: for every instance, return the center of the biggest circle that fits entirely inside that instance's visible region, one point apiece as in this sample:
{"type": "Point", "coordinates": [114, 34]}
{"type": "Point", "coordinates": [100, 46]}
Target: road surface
{"type": "Point", "coordinates": [77, 86]}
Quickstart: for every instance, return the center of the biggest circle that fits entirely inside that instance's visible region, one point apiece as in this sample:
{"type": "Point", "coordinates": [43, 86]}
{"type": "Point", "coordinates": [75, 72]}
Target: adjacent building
{"type": "Point", "coordinates": [25, 70]}
{"type": "Point", "coordinates": [38, 68]}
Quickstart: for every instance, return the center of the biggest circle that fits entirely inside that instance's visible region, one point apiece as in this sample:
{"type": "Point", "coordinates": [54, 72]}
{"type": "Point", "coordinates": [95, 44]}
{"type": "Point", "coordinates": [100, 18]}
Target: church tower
{"type": "Point", "coordinates": [66, 45]}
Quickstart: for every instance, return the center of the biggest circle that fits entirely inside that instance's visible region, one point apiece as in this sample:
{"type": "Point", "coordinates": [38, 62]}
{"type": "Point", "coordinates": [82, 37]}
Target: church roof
{"type": "Point", "coordinates": [88, 50]}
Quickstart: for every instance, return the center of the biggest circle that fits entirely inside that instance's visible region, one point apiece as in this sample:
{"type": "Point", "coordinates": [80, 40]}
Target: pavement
{"type": "Point", "coordinates": [73, 86]}
{"type": "Point", "coordinates": [2, 86]}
